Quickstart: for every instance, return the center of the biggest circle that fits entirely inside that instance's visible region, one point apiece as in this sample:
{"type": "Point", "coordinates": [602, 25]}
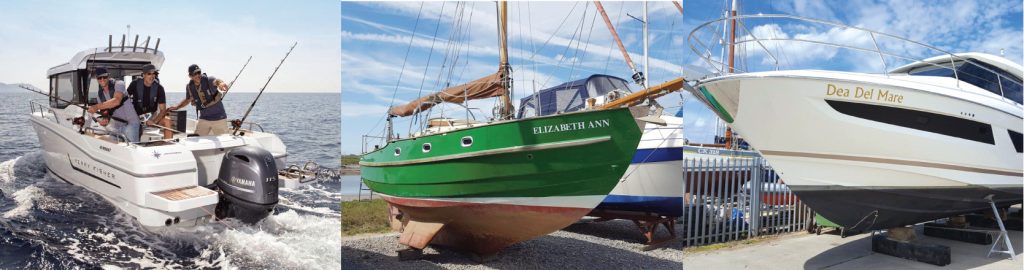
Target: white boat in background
{"type": "Point", "coordinates": [924, 141]}
{"type": "Point", "coordinates": [653, 183]}
{"type": "Point", "coordinates": [180, 181]}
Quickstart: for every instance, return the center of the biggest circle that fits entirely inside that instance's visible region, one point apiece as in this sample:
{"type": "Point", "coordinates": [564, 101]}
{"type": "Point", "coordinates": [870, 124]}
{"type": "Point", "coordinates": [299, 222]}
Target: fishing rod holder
{"type": "Point", "coordinates": [135, 45]}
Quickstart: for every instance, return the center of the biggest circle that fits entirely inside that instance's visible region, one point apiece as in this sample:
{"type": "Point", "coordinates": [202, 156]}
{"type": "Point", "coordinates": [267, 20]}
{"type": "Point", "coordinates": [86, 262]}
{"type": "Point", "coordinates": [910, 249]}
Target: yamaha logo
{"type": "Point", "coordinates": [242, 182]}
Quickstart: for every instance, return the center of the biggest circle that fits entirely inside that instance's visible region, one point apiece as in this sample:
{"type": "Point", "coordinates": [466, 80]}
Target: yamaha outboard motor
{"type": "Point", "coordinates": [248, 184]}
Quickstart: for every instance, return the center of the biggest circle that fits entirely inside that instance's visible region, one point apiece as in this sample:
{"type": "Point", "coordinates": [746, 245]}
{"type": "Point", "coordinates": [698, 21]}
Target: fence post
{"type": "Point", "coordinates": [755, 198]}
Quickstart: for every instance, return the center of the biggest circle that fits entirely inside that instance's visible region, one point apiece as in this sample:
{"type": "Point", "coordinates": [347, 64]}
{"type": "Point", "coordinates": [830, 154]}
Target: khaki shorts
{"type": "Point", "coordinates": [212, 128]}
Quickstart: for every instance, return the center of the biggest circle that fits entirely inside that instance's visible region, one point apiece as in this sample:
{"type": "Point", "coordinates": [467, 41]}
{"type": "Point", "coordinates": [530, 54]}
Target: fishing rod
{"type": "Point", "coordinates": [232, 83]}
{"type": "Point", "coordinates": [238, 123]}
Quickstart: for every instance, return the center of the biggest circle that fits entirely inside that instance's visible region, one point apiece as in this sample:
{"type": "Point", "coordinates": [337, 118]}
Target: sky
{"type": "Point", "coordinates": [217, 35]}
{"type": "Point", "coordinates": [393, 52]}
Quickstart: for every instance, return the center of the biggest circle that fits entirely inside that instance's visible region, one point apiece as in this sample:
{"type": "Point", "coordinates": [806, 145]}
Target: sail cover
{"type": "Point", "coordinates": [486, 87]}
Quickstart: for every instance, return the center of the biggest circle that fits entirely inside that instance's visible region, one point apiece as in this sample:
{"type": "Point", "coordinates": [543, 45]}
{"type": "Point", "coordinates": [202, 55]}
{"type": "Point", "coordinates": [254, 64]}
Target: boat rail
{"type": "Point", "coordinates": [744, 36]}
{"type": "Point", "coordinates": [253, 124]}
{"type": "Point", "coordinates": [35, 105]}
{"type": "Point", "coordinates": [366, 141]}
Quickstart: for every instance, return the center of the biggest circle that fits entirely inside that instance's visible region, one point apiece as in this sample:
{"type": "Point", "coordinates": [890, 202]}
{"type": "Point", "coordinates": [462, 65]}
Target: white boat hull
{"type": "Point", "coordinates": [158, 185]}
{"type": "Point", "coordinates": [654, 180]}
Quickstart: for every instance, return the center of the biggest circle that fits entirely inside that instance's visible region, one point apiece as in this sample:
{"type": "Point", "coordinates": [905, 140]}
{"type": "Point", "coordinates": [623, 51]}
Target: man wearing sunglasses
{"type": "Point", "coordinates": [148, 97]}
{"type": "Point", "coordinates": [112, 96]}
{"type": "Point", "coordinates": [201, 91]}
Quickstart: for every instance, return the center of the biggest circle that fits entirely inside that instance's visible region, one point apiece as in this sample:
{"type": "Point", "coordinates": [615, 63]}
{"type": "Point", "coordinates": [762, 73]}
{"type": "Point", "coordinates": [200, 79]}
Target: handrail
{"type": "Point", "coordinates": [704, 51]}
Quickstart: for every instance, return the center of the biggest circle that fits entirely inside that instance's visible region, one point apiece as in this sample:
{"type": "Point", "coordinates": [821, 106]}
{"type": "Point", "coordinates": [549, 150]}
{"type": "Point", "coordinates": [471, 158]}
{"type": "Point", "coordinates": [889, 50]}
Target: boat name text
{"type": "Point", "coordinates": [572, 126]}
{"type": "Point", "coordinates": [875, 94]}
{"type": "Point", "coordinates": [97, 171]}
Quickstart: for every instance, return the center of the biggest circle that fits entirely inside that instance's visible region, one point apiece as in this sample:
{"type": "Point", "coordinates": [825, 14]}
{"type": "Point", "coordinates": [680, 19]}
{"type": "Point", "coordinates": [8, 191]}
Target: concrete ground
{"type": "Point", "coordinates": [830, 251]}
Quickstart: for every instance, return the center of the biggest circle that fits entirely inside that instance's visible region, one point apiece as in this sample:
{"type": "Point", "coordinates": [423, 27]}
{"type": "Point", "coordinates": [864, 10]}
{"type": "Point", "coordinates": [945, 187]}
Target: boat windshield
{"type": "Point", "coordinates": [979, 74]}
{"type": "Point", "coordinates": [570, 96]}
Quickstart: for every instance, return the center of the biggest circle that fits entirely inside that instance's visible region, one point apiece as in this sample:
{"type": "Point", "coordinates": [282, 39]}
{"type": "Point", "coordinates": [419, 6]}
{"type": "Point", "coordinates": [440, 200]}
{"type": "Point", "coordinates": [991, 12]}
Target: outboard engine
{"type": "Point", "coordinates": [247, 184]}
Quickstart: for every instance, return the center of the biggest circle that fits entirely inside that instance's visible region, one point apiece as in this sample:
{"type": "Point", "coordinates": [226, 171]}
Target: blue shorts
{"type": "Point", "coordinates": [130, 130]}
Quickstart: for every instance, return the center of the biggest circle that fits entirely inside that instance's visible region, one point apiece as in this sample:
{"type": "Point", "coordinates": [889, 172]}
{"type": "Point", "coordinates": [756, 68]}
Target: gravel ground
{"type": "Point", "coordinates": [585, 245]}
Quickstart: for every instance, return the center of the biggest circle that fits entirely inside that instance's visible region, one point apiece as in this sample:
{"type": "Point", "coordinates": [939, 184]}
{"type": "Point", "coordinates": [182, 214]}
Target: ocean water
{"type": "Point", "coordinates": [48, 224]}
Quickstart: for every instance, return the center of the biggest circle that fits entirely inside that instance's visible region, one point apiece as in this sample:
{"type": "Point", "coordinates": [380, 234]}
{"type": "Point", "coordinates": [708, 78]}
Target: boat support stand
{"type": "Point", "coordinates": [1002, 233]}
{"type": "Point", "coordinates": [647, 223]}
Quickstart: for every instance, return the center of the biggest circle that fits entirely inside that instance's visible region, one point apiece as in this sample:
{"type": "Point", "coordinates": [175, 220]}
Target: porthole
{"type": "Point", "coordinates": [426, 147]}
{"type": "Point", "coordinates": [398, 151]}
{"type": "Point", "coordinates": [467, 141]}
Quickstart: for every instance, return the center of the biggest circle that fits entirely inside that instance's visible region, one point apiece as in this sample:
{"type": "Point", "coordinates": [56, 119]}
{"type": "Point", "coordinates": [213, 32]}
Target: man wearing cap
{"type": "Point", "coordinates": [112, 96]}
{"type": "Point", "coordinates": [148, 97]}
{"type": "Point", "coordinates": [201, 91]}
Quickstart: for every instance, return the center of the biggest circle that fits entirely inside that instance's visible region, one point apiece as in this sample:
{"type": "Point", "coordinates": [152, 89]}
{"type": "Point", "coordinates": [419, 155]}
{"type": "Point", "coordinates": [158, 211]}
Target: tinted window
{"type": "Point", "coordinates": [65, 90]}
{"type": "Point", "coordinates": [1011, 89]}
{"type": "Point", "coordinates": [979, 77]}
{"type": "Point", "coordinates": [919, 120]}
{"type": "Point", "coordinates": [1018, 140]}
{"type": "Point", "coordinates": [982, 75]}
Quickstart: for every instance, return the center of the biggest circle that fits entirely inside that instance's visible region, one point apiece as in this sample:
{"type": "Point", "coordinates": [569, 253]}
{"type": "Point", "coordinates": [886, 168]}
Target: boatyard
{"type": "Point", "coordinates": [912, 161]}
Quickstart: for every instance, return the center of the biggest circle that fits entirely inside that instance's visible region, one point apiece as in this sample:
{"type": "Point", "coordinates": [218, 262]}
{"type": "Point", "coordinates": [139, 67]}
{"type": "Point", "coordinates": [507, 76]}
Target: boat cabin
{"type": "Point", "coordinates": [573, 96]}
{"type": "Point", "coordinates": [74, 81]}
{"type": "Point", "coordinates": [990, 73]}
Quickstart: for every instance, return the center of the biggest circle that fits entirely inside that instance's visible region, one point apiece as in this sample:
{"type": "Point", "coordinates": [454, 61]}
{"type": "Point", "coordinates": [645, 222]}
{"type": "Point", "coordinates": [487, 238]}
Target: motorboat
{"type": "Point", "coordinates": [185, 180]}
{"type": "Point", "coordinates": [653, 182]}
{"type": "Point", "coordinates": [933, 138]}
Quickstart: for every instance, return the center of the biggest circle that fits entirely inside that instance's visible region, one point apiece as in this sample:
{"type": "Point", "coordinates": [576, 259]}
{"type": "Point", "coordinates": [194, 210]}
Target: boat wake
{"type": "Point", "coordinates": [53, 224]}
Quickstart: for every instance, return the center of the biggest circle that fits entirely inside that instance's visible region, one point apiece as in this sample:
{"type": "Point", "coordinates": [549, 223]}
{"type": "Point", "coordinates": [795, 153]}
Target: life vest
{"type": "Point", "coordinates": [203, 95]}
{"type": "Point", "coordinates": [109, 112]}
{"type": "Point", "coordinates": [145, 101]}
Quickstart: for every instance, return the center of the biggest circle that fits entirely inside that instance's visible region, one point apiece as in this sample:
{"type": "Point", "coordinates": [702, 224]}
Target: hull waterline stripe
{"type": "Point", "coordinates": [649, 155]}
{"type": "Point", "coordinates": [89, 174]}
{"type": "Point", "coordinates": [513, 149]}
{"type": "Point", "coordinates": [892, 161]}
{"type": "Point", "coordinates": [714, 103]}
{"type": "Point", "coordinates": [108, 164]}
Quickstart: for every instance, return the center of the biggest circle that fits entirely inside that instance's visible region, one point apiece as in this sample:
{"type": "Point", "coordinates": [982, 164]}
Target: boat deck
{"type": "Point", "coordinates": [184, 193]}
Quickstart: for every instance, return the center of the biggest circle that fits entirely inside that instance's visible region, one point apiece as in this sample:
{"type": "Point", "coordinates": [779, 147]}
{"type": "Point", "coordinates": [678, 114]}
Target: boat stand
{"type": "Point", "coordinates": [904, 247]}
{"type": "Point", "coordinates": [947, 231]}
{"type": "Point", "coordinates": [646, 222]}
{"type": "Point", "coordinates": [1002, 233]}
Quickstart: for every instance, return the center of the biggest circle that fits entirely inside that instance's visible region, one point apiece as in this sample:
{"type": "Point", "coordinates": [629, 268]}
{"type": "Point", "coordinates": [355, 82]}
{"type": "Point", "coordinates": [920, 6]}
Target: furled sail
{"type": "Point", "coordinates": [486, 87]}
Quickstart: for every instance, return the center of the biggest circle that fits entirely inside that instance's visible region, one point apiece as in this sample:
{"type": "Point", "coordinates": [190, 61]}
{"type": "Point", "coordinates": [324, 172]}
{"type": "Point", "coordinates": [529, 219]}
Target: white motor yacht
{"type": "Point", "coordinates": [924, 141]}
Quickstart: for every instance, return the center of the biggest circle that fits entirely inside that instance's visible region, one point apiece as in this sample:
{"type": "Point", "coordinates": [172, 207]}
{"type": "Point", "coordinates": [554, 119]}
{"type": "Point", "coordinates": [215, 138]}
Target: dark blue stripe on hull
{"type": "Point", "coordinates": [666, 206]}
{"type": "Point", "coordinates": [658, 155]}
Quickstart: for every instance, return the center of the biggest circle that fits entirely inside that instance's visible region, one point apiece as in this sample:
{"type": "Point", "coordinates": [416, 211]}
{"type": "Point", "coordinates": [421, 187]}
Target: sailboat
{"type": "Point", "coordinates": [482, 186]}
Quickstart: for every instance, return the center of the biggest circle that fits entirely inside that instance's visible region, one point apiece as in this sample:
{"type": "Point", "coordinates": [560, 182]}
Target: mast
{"type": "Point", "coordinates": [732, 37]}
{"type": "Point", "coordinates": [732, 56]}
{"type": "Point", "coordinates": [646, 37]}
{"type": "Point", "coordinates": [637, 76]}
{"type": "Point", "coordinates": [506, 80]}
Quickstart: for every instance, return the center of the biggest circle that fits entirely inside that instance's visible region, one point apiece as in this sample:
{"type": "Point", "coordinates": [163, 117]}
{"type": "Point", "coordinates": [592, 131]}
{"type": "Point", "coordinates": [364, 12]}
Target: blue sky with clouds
{"type": "Point", "coordinates": [432, 45]}
{"type": "Point", "coordinates": [217, 35]}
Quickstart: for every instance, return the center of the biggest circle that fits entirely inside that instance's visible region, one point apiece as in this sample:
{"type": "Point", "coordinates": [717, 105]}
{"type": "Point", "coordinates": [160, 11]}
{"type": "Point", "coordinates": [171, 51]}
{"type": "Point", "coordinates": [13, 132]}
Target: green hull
{"type": "Point", "coordinates": [573, 154]}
